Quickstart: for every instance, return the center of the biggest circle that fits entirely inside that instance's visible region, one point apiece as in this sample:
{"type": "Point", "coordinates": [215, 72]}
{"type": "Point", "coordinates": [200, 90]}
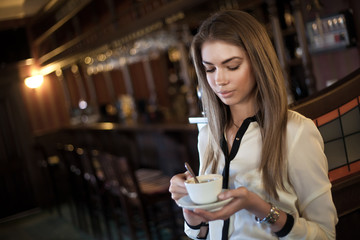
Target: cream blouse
{"type": "Point", "coordinates": [309, 199]}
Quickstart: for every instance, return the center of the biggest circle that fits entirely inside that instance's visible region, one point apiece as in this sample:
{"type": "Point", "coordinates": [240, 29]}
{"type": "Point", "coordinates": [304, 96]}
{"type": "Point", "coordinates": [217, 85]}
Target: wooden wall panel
{"type": "Point", "coordinates": [74, 92]}
{"type": "Point", "coordinates": [59, 102]}
{"type": "Point", "coordinates": [85, 94]}
{"type": "Point", "coordinates": [17, 191]}
{"type": "Point", "coordinates": [118, 82]}
{"type": "Point", "coordinates": [160, 75]}
{"type": "Point", "coordinates": [30, 100]}
{"type": "Point", "coordinates": [102, 93]}
{"type": "Point", "coordinates": [332, 66]}
{"type": "Point", "coordinates": [46, 106]}
{"type": "Point", "coordinates": [138, 77]}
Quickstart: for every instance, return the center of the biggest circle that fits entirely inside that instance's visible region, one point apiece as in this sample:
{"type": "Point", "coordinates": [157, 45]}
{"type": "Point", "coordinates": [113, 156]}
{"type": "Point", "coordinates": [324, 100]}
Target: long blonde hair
{"type": "Point", "coordinates": [241, 29]}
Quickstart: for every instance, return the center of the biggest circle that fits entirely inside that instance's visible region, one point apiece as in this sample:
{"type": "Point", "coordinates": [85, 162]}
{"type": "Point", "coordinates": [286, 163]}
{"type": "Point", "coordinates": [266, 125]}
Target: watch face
{"type": "Point", "coordinates": [272, 217]}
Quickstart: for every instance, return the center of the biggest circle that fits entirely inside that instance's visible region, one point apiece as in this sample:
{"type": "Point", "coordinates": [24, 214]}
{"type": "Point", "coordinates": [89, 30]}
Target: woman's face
{"type": "Point", "coordinates": [229, 73]}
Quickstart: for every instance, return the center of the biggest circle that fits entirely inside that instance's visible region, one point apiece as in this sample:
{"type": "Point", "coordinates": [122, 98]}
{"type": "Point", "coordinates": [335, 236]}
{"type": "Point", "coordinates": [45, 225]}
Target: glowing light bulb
{"type": "Point", "coordinates": [82, 104]}
{"type": "Point", "coordinates": [34, 81]}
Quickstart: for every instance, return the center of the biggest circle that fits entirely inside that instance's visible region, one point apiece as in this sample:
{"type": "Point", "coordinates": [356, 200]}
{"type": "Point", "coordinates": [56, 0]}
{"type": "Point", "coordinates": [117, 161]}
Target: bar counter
{"type": "Point", "coordinates": [162, 146]}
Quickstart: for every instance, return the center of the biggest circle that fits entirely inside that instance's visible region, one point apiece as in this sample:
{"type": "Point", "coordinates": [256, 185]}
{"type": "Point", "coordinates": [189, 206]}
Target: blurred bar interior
{"type": "Point", "coordinates": [100, 78]}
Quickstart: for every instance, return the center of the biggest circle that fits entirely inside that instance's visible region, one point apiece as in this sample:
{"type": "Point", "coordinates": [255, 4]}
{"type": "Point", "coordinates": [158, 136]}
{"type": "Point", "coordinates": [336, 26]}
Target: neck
{"type": "Point", "coordinates": [238, 126]}
{"type": "Point", "coordinates": [239, 115]}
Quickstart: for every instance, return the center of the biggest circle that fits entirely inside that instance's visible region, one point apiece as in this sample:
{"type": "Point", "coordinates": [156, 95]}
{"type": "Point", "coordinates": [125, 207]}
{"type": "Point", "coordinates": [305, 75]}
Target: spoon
{"type": "Point", "coordinates": [187, 166]}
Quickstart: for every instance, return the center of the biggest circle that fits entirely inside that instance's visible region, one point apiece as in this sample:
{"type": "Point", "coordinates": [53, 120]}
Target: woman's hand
{"type": "Point", "coordinates": [178, 190]}
{"type": "Point", "coordinates": [241, 200]}
{"type": "Point", "coordinates": [177, 186]}
{"type": "Point", "coordinates": [193, 218]}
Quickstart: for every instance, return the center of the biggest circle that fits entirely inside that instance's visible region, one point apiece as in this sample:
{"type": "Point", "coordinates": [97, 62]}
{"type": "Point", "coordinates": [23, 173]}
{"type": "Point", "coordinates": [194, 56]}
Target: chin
{"type": "Point", "coordinates": [227, 102]}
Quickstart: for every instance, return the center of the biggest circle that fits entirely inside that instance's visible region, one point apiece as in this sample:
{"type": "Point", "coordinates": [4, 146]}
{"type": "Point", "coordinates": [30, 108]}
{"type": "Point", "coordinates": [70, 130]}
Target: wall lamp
{"type": "Point", "coordinates": [34, 81]}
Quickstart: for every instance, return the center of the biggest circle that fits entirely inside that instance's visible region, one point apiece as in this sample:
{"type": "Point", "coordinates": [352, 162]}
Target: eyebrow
{"type": "Point", "coordinates": [223, 62]}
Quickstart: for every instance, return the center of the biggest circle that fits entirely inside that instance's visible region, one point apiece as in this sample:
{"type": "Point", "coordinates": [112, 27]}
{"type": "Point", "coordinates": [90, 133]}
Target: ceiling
{"type": "Point", "coordinates": [17, 9]}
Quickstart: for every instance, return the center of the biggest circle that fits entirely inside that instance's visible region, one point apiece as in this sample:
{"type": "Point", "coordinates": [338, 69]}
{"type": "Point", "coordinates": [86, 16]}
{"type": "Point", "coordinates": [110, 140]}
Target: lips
{"type": "Point", "coordinates": [225, 94]}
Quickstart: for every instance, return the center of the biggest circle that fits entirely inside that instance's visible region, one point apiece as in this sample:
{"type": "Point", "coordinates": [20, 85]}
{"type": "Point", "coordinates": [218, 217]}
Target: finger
{"type": "Point", "coordinates": [234, 193]}
{"type": "Point", "coordinates": [191, 214]}
{"type": "Point", "coordinates": [223, 213]}
{"type": "Point", "coordinates": [177, 189]}
{"type": "Point", "coordinates": [226, 211]}
{"type": "Point", "coordinates": [225, 195]}
{"type": "Point", "coordinates": [187, 175]}
{"type": "Point", "coordinates": [208, 216]}
{"type": "Point", "coordinates": [178, 179]}
{"type": "Point", "coordinates": [211, 216]}
{"type": "Point", "coordinates": [177, 197]}
{"type": "Point", "coordinates": [177, 193]}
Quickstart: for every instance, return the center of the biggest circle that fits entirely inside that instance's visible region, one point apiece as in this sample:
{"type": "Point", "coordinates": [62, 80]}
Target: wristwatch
{"type": "Point", "coordinates": [272, 216]}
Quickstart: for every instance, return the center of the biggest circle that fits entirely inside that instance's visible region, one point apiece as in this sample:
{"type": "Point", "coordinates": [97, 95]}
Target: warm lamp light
{"type": "Point", "coordinates": [34, 81]}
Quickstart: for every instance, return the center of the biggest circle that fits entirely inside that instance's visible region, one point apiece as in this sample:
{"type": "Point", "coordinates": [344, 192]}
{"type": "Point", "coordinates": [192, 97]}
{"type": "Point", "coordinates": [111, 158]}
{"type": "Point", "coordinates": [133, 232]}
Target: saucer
{"type": "Point", "coordinates": [185, 202]}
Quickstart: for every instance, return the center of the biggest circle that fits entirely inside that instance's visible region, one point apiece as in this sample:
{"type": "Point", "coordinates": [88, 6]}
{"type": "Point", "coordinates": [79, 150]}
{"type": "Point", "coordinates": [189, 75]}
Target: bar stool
{"type": "Point", "coordinates": [142, 192]}
{"type": "Point", "coordinates": [96, 200]}
{"type": "Point", "coordinates": [75, 183]}
{"type": "Point", "coordinates": [85, 192]}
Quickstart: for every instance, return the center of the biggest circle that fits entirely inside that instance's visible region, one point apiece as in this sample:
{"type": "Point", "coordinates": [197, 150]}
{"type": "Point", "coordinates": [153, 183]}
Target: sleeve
{"type": "Point", "coordinates": [191, 233]}
{"type": "Point", "coordinates": [202, 141]}
{"type": "Point", "coordinates": [308, 172]}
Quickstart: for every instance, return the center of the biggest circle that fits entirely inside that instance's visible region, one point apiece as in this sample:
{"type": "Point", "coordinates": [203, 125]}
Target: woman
{"type": "Point", "coordinates": [272, 159]}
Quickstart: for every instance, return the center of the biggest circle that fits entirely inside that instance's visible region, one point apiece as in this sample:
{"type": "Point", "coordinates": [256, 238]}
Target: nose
{"type": "Point", "coordinates": [220, 78]}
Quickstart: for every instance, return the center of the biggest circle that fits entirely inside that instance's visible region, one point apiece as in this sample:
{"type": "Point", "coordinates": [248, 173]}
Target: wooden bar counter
{"type": "Point", "coordinates": [162, 146]}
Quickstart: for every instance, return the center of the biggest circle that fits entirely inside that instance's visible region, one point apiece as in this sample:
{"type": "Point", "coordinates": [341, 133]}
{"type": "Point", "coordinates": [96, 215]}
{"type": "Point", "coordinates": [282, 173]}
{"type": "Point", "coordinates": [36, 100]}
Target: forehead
{"type": "Point", "coordinates": [220, 50]}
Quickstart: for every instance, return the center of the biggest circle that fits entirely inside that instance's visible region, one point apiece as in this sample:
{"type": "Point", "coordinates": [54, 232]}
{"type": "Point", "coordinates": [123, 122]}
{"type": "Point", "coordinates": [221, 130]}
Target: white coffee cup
{"type": "Point", "coordinates": [207, 190]}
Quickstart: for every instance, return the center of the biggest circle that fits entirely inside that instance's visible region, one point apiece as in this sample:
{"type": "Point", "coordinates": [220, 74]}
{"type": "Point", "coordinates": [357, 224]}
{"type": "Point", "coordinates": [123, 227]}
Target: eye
{"type": "Point", "coordinates": [209, 70]}
{"type": "Point", "coordinates": [234, 68]}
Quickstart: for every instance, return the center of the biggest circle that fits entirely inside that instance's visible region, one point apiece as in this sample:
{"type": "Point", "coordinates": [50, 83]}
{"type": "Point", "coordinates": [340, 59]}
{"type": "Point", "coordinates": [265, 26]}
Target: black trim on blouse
{"type": "Point", "coordinates": [228, 157]}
